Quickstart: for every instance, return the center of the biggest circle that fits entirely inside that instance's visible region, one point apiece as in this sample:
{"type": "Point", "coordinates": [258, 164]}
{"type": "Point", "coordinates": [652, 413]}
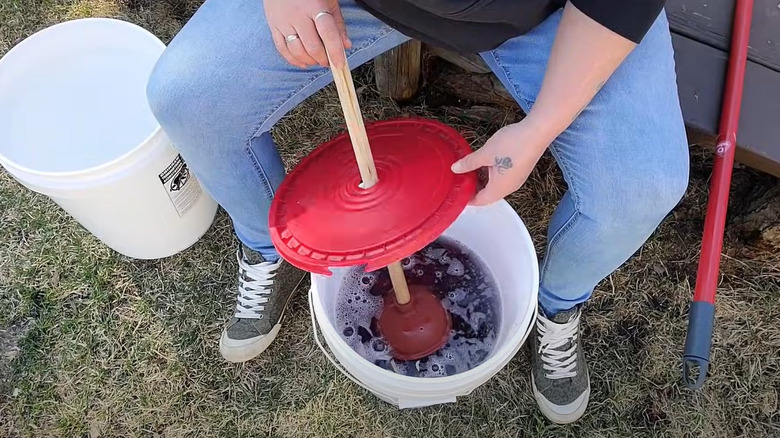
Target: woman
{"type": "Point", "coordinates": [595, 77]}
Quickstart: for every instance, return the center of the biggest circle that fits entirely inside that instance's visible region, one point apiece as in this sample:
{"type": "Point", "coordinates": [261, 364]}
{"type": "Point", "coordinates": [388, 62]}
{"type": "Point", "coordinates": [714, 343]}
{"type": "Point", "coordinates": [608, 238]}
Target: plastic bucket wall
{"type": "Point", "coordinates": [75, 126]}
{"type": "Point", "coordinates": [498, 236]}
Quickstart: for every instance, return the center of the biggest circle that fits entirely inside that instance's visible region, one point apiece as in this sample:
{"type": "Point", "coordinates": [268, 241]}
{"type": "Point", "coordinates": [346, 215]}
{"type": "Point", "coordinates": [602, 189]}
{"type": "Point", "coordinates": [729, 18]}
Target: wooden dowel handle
{"type": "Point", "coordinates": [399, 283]}
{"type": "Point", "coordinates": [342, 77]}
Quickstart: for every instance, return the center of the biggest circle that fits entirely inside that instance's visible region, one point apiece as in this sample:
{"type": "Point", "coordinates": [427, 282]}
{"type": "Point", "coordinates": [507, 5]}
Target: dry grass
{"type": "Point", "coordinates": [116, 347]}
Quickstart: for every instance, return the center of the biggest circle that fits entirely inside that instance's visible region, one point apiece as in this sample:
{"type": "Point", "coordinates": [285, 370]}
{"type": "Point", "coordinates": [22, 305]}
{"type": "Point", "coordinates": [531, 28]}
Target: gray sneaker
{"type": "Point", "coordinates": [264, 290]}
{"type": "Point", "coordinates": [559, 372]}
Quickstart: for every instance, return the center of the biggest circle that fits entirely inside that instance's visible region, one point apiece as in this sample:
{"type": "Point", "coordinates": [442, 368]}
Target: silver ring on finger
{"type": "Point", "coordinates": [321, 14]}
{"type": "Point", "coordinates": [291, 38]}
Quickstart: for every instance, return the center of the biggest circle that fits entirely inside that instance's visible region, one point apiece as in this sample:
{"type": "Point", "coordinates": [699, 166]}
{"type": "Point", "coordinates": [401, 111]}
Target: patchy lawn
{"type": "Point", "coordinates": [94, 344]}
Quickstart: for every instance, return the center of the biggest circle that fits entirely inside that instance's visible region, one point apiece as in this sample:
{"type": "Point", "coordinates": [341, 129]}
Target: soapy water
{"type": "Point", "coordinates": [467, 290]}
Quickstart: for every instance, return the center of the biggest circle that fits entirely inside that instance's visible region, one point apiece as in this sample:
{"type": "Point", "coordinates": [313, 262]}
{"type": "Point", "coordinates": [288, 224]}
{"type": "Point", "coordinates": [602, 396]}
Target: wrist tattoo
{"type": "Point", "coordinates": [502, 164]}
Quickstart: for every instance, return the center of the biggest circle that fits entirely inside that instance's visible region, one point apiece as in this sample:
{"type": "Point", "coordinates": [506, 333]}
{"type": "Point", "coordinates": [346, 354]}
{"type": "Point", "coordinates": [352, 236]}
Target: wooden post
{"type": "Point", "coordinates": [398, 71]}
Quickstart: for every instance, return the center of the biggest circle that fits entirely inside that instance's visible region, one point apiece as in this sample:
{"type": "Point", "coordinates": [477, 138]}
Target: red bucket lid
{"type": "Point", "coordinates": [321, 218]}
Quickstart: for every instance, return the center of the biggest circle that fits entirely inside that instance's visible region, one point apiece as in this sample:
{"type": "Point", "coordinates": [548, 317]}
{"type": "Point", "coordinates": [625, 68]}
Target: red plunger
{"type": "Point", "coordinates": [413, 320]}
{"type": "Point", "coordinates": [321, 218]}
{"type": "Point", "coordinates": [330, 211]}
{"type": "Point", "coordinates": [414, 324]}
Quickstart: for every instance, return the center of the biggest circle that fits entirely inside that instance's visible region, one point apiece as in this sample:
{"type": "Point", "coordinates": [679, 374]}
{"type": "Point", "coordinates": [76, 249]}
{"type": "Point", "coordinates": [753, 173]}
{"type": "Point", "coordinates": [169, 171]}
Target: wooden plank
{"type": "Point", "coordinates": [472, 63]}
{"type": "Point", "coordinates": [477, 88]}
{"type": "Point", "coordinates": [752, 159]}
{"type": "Point", "coordinates": [709, 21]}
{"type": "Point", "coordinates": [398, 70]}
{"type": "Point", "coordinates": [744, 156]}
{"type": "Point", "coordinates": [701, 72]}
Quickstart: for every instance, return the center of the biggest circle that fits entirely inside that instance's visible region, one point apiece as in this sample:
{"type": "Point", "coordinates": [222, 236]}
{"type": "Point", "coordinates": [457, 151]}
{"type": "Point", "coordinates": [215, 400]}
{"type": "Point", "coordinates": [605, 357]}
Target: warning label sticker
{"type": "Point", "coordinates": [182, 188]}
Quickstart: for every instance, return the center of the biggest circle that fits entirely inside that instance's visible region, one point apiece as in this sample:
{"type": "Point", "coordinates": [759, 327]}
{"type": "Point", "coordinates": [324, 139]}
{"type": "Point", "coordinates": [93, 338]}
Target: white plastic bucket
{"type": "Point", "coordinates": [75, 125]}
{"type": "Point", "coordinates": [498, 236]}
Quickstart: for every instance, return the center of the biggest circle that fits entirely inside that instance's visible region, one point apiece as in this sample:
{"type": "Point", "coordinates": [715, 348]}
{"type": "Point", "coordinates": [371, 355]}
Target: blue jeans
{"type": "Point", "coordinates": [220, 86]}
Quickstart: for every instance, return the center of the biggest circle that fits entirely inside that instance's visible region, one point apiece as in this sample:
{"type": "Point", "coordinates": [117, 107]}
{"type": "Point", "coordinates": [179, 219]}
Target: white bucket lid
{"type": "Point", "coordinates": [74, 97]}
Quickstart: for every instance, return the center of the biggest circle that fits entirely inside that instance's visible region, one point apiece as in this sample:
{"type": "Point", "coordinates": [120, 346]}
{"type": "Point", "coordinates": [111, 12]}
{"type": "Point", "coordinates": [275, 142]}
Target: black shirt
{"type": "Point", "coordinates": [471, 26]}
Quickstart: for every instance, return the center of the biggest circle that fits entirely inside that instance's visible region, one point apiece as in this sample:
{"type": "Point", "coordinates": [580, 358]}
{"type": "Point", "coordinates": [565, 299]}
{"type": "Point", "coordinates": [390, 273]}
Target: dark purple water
{"type": "Point", "coordinates": [467, 290]}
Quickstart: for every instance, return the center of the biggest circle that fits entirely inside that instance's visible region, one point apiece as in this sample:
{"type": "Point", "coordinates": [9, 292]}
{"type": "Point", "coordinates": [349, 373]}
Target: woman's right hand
{"type": "Point", "coordinates": [309, 31]}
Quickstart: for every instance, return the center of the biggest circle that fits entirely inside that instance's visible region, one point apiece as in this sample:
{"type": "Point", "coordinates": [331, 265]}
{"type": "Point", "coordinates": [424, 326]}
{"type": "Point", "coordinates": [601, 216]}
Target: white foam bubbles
{"type": "Point", "coordinates": [468, 294]}
{"type": "Point", "coordinates": [456, 268]}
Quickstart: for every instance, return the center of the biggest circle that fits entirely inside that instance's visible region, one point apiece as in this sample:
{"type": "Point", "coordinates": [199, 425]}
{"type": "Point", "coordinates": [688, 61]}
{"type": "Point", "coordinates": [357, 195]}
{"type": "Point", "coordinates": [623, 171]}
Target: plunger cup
{"type": "Point", "coordinates": [413, 320]}
{"type": "Point", "coordinates": [414, 323]}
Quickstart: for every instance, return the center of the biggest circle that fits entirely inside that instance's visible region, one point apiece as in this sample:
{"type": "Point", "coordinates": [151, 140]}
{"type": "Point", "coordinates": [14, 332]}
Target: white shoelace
{"type": "Point", "coordinates": [560, 364]}
{"type": "Point", "coordinates": [254, 283]}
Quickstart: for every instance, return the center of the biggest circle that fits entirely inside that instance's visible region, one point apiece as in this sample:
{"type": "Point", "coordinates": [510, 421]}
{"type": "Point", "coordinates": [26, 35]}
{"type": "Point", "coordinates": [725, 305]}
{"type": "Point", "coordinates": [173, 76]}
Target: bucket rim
{"type": "Point", "coordinates": [494, 360]}
{"type": "Point", "coordinates": [5, 59]}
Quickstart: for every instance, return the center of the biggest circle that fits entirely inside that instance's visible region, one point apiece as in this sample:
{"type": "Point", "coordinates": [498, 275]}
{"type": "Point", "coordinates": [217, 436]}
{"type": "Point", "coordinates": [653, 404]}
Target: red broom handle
{"type": "Point", "coordinates": [701, 316]}
{"type": "Point", "coordinates": [714, 223]}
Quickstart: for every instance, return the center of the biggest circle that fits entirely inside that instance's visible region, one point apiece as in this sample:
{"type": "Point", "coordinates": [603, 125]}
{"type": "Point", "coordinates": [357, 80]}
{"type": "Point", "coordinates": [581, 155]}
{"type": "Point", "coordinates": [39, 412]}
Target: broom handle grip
{"type": "Point", "coordinates": [342, 77]}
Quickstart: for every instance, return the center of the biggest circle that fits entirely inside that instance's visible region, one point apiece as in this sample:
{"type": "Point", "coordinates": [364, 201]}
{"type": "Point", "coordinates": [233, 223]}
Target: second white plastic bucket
{"type": "Point", "coordinates": [75, 125]}
{"type": "Point", "coordinates": [497, 236]}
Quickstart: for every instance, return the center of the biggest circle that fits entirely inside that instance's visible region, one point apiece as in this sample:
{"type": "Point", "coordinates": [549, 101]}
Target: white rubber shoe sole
{"type": "Point", "coordinates": [235, 350]}
{"type": "Point", "coordinates": [562, 414]}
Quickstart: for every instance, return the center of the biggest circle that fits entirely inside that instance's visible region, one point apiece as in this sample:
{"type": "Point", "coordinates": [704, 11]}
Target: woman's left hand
{"type": "Point", "coordinates": [510, 155]}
